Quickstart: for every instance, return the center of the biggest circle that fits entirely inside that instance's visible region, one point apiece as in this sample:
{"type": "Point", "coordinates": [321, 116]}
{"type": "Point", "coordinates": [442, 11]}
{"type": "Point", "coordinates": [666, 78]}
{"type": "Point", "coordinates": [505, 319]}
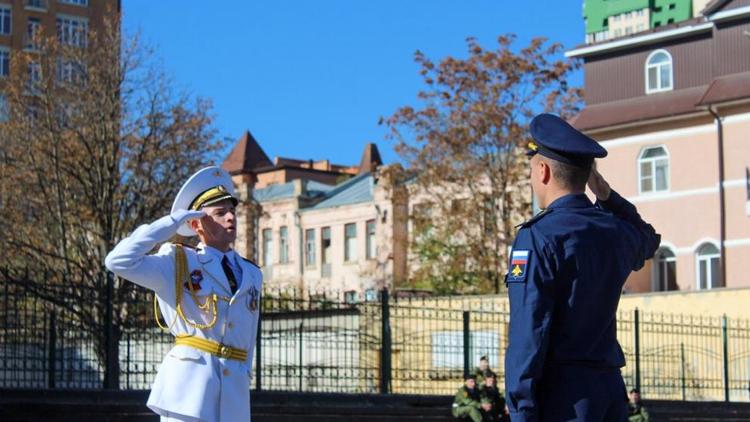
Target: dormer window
{"type": "Point", "coordinates": [659, 72]}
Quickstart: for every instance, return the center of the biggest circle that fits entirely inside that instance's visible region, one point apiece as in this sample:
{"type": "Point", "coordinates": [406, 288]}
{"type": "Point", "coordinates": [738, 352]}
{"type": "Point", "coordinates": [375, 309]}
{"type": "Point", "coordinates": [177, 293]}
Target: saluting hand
{"type": "Point", "coordinates": [598, 185]}
{"type": "Point", "coordinates": [181, 216]}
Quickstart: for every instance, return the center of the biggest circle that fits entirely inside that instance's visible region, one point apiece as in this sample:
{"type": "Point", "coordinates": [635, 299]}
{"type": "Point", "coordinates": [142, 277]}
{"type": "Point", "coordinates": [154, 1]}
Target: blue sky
{"type": "Point", "coordinates": [310, 79]}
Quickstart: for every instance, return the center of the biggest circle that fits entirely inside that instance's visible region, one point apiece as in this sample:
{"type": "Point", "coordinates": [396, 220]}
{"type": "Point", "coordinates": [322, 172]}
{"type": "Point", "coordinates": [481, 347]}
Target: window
{"type": "Point", "coordinates": [267, 247]}
{"type": "Point", "coordinates": [670, 20]}
{"type": "Point", "coordinates": [72, 30]}
{"type": "Point", "coordinates": [371, 295]}
{"type": "Point", "coordinates": [708, 267]}
{"type": "Point", "coordinates": [653, 170]}
{"type": "Point", "coordinates": [671, 6]}
{"type": "Point", "coordinates": [69, 71]}
{"type": "Point", "coordinates": [75, 2]}
{"type": "Point", "coordinates": [310, 247]}
{"type": "Point", "coordinates": [618, 32]}
{"type": "Point", "coordinates": [370, 246]}
{"type": "Point", "coordinates": [283, 245]}
{"type": "Point", "coordinates": [628, 30]}
{"type": "Point", "coordinates": [665, 270]}
{"type": "Point", "coordinates": [33, 32]}
{"type": "Point", "coordinates": [640, 27]}
{"type": "Point", "coordinates": [36, 4]}
{"type": "Point", "coordinates": [350, 297]}
{"type": "Point", "coordinates": [657, 24]}
{"type": "Point", "coordinates": [35, 76]}
{"type": "Point", "coordinates": [640, 12]}
{"type": "Point", "coordinates": [5, 20]}
{"type": "Point", "coordinates": [325, 242]}
{"type": "Point", "coordinates": [350, 242]}
{"type": "Point", "coordinates": [616, 18]}
{"type": "Point", "coordinates": [4, 110]}
{"type": "Point", "coordinates": [4, 62]}
{"type": "Point", "coordinates": [658, 72]}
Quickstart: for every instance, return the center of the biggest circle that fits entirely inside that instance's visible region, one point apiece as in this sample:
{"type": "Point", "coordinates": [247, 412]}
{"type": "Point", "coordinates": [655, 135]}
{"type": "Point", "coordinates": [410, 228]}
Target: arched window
{"type": "Point", "coordinates": [708, 267]}
{"type": "Point", "coordinates": [653, 170]}
{"type": "Point", "coordinates": [665, 270]}
{"type": "Point", "coordinates": [659, 72]}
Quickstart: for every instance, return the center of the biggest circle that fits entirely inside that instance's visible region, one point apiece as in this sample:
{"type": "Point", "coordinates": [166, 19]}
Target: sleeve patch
{"type": "Point", "coordinates": [519, 262]}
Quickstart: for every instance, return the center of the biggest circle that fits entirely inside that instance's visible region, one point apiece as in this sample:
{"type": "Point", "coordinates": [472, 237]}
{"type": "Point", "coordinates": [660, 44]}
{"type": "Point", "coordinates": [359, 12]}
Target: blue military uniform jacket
{"type": "Point", "coordinates": [567, 269]}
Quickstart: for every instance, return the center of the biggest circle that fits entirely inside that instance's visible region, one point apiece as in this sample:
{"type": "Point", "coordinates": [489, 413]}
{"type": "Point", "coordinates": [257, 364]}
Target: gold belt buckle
{"type": "Point", "coordinates": [224, 351]}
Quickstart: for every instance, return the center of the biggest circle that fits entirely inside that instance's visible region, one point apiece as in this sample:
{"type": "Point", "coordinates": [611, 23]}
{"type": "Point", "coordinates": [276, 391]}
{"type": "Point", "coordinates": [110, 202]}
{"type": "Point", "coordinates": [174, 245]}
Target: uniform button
{"type": "Point", "coordinates": [230, 325]}
{"type": "Point", "coordinates": [226, 372]}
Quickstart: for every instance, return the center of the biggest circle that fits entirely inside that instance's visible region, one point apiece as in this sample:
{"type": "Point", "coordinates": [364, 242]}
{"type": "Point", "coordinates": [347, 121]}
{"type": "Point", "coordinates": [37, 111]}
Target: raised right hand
{"type": "Point", "coordinates": [181, 216]}
{"type": "Point", "coordinates": [598, 185]}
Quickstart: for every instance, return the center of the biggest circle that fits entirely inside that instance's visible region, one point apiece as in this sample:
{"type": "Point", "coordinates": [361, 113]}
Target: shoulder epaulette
{"type": "Point", "coordinates": [247, 260]}
{"type": "Point", "coordinates": [535, 218]}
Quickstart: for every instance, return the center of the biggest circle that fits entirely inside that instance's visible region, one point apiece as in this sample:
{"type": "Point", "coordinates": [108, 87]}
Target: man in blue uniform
{"type": "Point", "coordinates": [567, 268]}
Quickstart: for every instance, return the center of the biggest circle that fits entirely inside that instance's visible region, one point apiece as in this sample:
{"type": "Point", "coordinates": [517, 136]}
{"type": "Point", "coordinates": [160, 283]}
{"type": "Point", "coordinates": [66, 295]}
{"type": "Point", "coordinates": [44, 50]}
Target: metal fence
{"type": "Point", "coordinates": [328, 343]}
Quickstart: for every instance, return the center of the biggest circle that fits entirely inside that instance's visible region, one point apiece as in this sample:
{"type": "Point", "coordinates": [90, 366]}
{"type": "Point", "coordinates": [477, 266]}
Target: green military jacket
{"type": "Point", "coordinates": [466, 397]}
{"type": "Point", "coordinates": [637, 413]}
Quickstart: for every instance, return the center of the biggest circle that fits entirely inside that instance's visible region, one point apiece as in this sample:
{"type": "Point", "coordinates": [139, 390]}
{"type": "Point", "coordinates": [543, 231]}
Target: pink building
{"type": "Point", "coordinates": [672, 107]}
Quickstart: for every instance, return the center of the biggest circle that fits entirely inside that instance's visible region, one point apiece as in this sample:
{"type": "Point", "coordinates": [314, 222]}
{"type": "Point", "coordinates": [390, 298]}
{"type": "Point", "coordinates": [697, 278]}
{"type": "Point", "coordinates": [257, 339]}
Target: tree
{"type": "Point", "coordinates": [96, 142]}
{"type": "Point", "coordinates": [464, 147]}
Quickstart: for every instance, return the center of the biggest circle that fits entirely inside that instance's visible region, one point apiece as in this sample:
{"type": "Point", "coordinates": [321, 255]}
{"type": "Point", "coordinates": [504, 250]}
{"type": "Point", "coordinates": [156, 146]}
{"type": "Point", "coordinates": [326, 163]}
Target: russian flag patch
{"type": "Point", "coordinates": [519, 261]}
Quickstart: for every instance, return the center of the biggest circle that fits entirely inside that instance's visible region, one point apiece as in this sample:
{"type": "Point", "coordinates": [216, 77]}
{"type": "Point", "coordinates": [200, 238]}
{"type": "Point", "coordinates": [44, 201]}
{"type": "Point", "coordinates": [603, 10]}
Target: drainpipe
{"type": "Point", "coordinates": [722, 207]}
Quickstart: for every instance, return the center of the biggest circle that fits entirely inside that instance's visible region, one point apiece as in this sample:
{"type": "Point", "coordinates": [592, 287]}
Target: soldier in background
{"type": "Point", "coordinates": [467, 402]}
{"type": "Point", "coordinates": [636, 411]}
{"type": "Point", "coordinates": [482, 370]}
{"type": "Point", "coordinates": [492, 396]}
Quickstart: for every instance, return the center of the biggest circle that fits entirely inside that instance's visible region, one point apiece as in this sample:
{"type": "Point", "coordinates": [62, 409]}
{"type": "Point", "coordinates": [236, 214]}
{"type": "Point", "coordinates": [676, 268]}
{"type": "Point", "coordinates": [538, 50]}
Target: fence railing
{"type": "Point", "coordinates": [328, 343]}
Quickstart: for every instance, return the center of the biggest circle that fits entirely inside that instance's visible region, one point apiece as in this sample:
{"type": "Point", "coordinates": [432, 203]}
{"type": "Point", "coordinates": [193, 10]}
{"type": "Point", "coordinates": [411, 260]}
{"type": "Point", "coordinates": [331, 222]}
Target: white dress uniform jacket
{"type": "Point", "coordinates": [191, 384]}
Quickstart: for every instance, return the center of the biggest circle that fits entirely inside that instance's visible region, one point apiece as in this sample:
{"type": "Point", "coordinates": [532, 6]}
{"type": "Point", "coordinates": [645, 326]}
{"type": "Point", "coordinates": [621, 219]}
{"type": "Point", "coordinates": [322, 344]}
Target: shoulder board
{"type": "Point", "coordinates": [247, 260]}
{"type": "Point", "coordinates": [535, 218]}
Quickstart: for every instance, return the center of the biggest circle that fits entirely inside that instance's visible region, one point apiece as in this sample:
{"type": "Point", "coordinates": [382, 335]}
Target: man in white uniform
{"type": "Point", "coordinates": [209, 299]}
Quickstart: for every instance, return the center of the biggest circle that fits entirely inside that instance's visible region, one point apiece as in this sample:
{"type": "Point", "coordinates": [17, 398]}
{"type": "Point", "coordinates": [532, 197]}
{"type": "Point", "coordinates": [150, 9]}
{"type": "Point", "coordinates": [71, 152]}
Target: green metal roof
{"type": "Point", "coordinates": [356, 190]}
{"type": "Point", "coordinates": [286, 191]}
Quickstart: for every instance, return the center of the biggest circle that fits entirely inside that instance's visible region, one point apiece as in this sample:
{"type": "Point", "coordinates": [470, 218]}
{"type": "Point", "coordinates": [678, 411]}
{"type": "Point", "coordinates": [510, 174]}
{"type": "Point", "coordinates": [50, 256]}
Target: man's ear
{"type": "Point", "coordinates": [195, 225]}
{"type": "Point", "coordinates": [546, 172]}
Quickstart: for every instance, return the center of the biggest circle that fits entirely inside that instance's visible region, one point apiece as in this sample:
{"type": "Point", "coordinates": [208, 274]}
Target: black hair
{"type": "Point", "coordinates": [570, 176]}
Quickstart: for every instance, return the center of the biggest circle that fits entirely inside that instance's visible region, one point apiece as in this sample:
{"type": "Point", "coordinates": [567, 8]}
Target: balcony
{"type": "Point", "coordinates": [38, 5]}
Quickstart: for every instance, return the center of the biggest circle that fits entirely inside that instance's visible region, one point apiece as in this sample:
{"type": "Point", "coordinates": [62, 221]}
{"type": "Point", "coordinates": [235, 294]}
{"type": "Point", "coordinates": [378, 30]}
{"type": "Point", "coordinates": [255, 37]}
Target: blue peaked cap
{"type": "Point", "coordinates": [556, 139]}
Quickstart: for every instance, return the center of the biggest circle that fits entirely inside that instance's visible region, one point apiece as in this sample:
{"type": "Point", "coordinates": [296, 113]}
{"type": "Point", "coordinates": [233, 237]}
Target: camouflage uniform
{"type": "Point", "coordinates": [466, 403]}
{"type": "Point", "coordinates": [637, 413]}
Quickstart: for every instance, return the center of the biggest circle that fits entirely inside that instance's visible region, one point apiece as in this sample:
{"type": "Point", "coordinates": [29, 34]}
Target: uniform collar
{"type": "Point", "coordinates": [571, 200]}
{"type": "Point", "coordinates": [215, 253]}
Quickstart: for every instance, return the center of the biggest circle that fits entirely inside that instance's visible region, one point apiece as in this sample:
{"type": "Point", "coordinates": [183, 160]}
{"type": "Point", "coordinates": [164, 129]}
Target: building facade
{"type": "Point", "coordinates": [314, 226]}
{"type": "Point", "coordinates": [676, 126]}
{"type": "Point", "coordinates": [608, 19]}
{"type": "Point", "coordinates": [23, 22]}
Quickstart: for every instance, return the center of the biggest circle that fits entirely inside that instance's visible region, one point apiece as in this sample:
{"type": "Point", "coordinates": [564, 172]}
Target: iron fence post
{"type": "Point", "coordinates": [385, 347]}
{"type": "Point", "coordinates": [725, 345]}
{"type": "Point", "coordinates": [301, 364]}
{"type": "Point", "coordinates": [51, 346]}
{"type": "Point", "coordinates": [637, 341]}
{"type": "Point", "coordinates": [110, 368]}
{"type": "Point", "coordinates": [258, 351]}
{"type": "Point", "coordinates": [682, 369]}
{"type": "Point", "coordinates": [467, 344]}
